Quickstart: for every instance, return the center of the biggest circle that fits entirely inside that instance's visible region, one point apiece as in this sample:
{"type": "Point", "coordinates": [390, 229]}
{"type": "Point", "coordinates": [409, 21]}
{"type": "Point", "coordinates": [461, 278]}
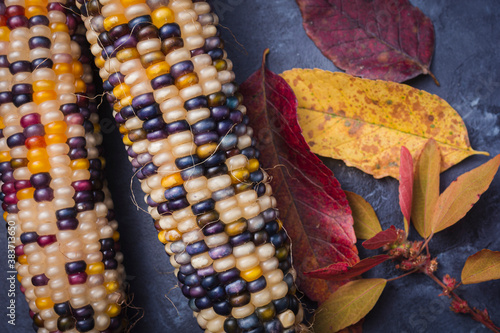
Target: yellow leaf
{"type": "Point", "coordinates": [426, 188]}
{"type": "Point", "coordinates": [482, 266]}
{"type": "Point", "coordinates": [462, 193]}
{"type": "Point", "coordinates": [348, 304]}
{"type": "Point", "coordinates": [366, 223]}
{"type": "Point", "coordinates": [365, 122]}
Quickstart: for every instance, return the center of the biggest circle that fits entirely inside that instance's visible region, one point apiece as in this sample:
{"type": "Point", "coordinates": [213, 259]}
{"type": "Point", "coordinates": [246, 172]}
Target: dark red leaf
{"type": "Point", "coordinates": [382, 238]}
{"type": "Point", "coordinates": [379, 39]}
{"type": "Point", "coordinates": [406, 185]}
{"type": "Point", "coordinates": [313, 207]}
{"type": "Point", "coordinates": [336, 273]}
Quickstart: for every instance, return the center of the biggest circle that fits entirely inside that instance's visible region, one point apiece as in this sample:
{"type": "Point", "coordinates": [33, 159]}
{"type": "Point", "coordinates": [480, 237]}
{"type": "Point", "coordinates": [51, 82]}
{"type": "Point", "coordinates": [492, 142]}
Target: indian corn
{"type": "Point", "coordinates": [184, 126]}
{"type": "Point", "coordinates": [53, 190]}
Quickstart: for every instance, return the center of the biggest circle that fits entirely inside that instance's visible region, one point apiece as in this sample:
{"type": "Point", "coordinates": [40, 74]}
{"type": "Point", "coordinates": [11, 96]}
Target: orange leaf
{"type": "Point", "coordinates": [482, 266]}
{"type": "Point", "coordinates": [364, 122]}
{"type": "Point", "coordinates": [426, 188]}
{"type": "Point", "coordinates": [348, 304]}
{"type": "Point", "coordinates": [366, 223]}
{"type": "Point", "coordinates": [462, 194]}
{"type": "Point", "coordinates": [405, 185]}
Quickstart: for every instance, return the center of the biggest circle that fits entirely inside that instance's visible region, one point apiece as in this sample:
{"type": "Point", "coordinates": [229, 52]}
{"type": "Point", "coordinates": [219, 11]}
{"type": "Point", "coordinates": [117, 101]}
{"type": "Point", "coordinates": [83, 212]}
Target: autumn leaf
{"type": "Point", "coordinates": [405, 185]}
{"type": "Point", "coordinates": [385, 237]}
{"type": "Point", "coordinates": [348, 304]}
{"type": "Point", "coordinates": [462, 194]}
{"type": "Point", "coordinates": [378, 39]}
{"type": "Point", "coordinates": [313, 207]}
{"type": "Point", "coordinates": [341, 272]}
{"type": "Point", "coordinates": [426, 188]}
{"type": "Point", "coordinates": [482, 266]}
{"type": "Point", "coordinates": [364, 122]}
{"type": "Point", "coordinates": [366, 223]}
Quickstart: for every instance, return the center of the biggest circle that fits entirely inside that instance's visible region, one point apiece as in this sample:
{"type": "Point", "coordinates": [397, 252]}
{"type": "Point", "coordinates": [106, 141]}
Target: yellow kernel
{"type": "Point", "coordinates": [97, 128]}
{"type": "Point", "coordinates": [58, 27]}
{"type": "Point", "coordinates": [172, 180]}
{"type": "Point", "coordinates": [239, 175]}
{"type": "Point", "coordinates": [252, 274]}
{"type": "Point", "coordinates": [162, 236]}
{"type": "Point", "coordinates": [23, 260]}
{"type": "Point", "coordinates": [29, 3]}
{"type": "Point", "coordinates": [43, 96]}
{"type": "Point", "coordinates": [116, 236]}
{"type": "Point", "coordinates": [35, 10]}
{"type": "Point", "coordinates": [111, 286]}
{"type": "Point", "coordinates": [44, 303]}
{"type": "Point", "coordinates": [80, 164]}
{"type": "Point", "coordinates": [126, 101]}
{"type": "Point", "coordinates": [2, 125]}
{"type": "Point", "coordinates": [253, 165]}
{"type": "Point", "coordinates": [157, 69]}
{"type": "Point", "coordinates": [4, 156]}
{"type": "Point", "coordinates": [80, 86]}
{"type": "Point", "coordinates": [99, 61]}
{"type": "Point", "coordinates": [56, 127]}
{"type": "Point", "coordinates": [95, 268]}
{"type": "Point", "coordinates": [42, 85]}
{"type": "Point", "coordinates": [37, 154]}
{"type": "Point", "coordinates": [63, 68]}
{"type": "Point", "coordinates": [51, 139]}
{"type": "Point", "coordinates": [39, 166]}
{"type": "Point", "coordinates": [122, 90]}
{"type": "Point", "coordinates": [127, 54]}
{"type": "Point", "coordinates": [112, 21]}
{"type": "Point", "coordinates": [161, 16]}
{"type": "Point", "coordinates": [206, 150]}
{"type": "Point", "coordinates": [26, 193]}
{"type": "Point", "coordinates": [113, 310]}
{"type": "Point", "coordinates": [4, 34]}
{"type": "Point", "coordinates": [77, 68]}
{"type": "Point", "coordinates": [126, 140]}
{"type": "Point", "coordinates": [186, 80]}
{"type": "Point", "coordinates": [5, 215]}
{"type": "Point", "coordinates": [122, 129]}
{"type": "Point", "coordinates": [103, 162]}
{"type": "Point", "coordinates": [19, 277]}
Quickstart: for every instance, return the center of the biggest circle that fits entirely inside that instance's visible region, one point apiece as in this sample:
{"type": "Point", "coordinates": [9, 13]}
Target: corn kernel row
{"type": "Point", "coordinates": [170, 84]}
{"type": "Point", "coordinates": [61, 225]}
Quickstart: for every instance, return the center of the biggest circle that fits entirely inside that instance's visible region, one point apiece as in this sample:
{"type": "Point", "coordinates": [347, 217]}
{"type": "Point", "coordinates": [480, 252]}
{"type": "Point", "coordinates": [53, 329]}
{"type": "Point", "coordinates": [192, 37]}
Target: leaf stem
{"type": "Point", "coordinates": [403, 275]}
{"type": "Point", "coordinates": [426, 244]}
{"type": "Point", "coordinates": [475, 314]}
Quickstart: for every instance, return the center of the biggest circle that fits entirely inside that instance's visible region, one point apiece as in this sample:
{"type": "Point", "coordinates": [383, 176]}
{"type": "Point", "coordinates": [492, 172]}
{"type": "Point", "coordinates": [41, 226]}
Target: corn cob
{"type": "Point", "coordinates": [171, 88]}
{"type": "Point", "coordinates": [50, 167]}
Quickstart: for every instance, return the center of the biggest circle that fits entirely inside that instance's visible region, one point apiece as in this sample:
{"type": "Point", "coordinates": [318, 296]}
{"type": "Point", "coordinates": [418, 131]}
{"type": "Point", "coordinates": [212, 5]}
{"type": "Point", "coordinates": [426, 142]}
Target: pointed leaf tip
{"type": "Point", "coordinates": [482, 266]}
{"type": "Point", "coordinates": [366, 223]}
{"type": "Point", "coordinates": [462, 194]}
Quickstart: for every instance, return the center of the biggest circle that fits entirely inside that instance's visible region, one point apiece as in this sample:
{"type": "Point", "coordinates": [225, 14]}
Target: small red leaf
{"type": "Point", "coordinates": [385, 237]}
{"type": "Point", "coordinates": [406, 185]}
{"type": "Point", "coordinates": [379, 39]}
{"type": "Point", "coordinates": [340, 272]}
{"type": "Point", "coordinates": [313, 207]}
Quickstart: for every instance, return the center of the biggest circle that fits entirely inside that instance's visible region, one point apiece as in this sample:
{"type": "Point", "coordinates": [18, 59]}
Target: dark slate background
{"type": "Point", "coordinates": [467, 66]}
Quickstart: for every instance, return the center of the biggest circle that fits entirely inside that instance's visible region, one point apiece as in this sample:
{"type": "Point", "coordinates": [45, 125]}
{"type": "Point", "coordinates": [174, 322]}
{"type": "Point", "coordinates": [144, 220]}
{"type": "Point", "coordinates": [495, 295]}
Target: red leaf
{"type": "Point", "coordinates": [312, 205]}
{"type": "Point", "coordinates": [382, 238]}
{"type": "Point", "coordinates": [379, 39]}
{"type": "Point", "coordinates": [406, 185]}
{"type": "Point", "coordinates": [336, 272]}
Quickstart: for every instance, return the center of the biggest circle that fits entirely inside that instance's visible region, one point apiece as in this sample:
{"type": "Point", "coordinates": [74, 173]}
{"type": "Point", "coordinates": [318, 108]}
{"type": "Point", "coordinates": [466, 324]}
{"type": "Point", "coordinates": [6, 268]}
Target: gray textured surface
{"type": "Point", "coordinates": [465, 62]}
